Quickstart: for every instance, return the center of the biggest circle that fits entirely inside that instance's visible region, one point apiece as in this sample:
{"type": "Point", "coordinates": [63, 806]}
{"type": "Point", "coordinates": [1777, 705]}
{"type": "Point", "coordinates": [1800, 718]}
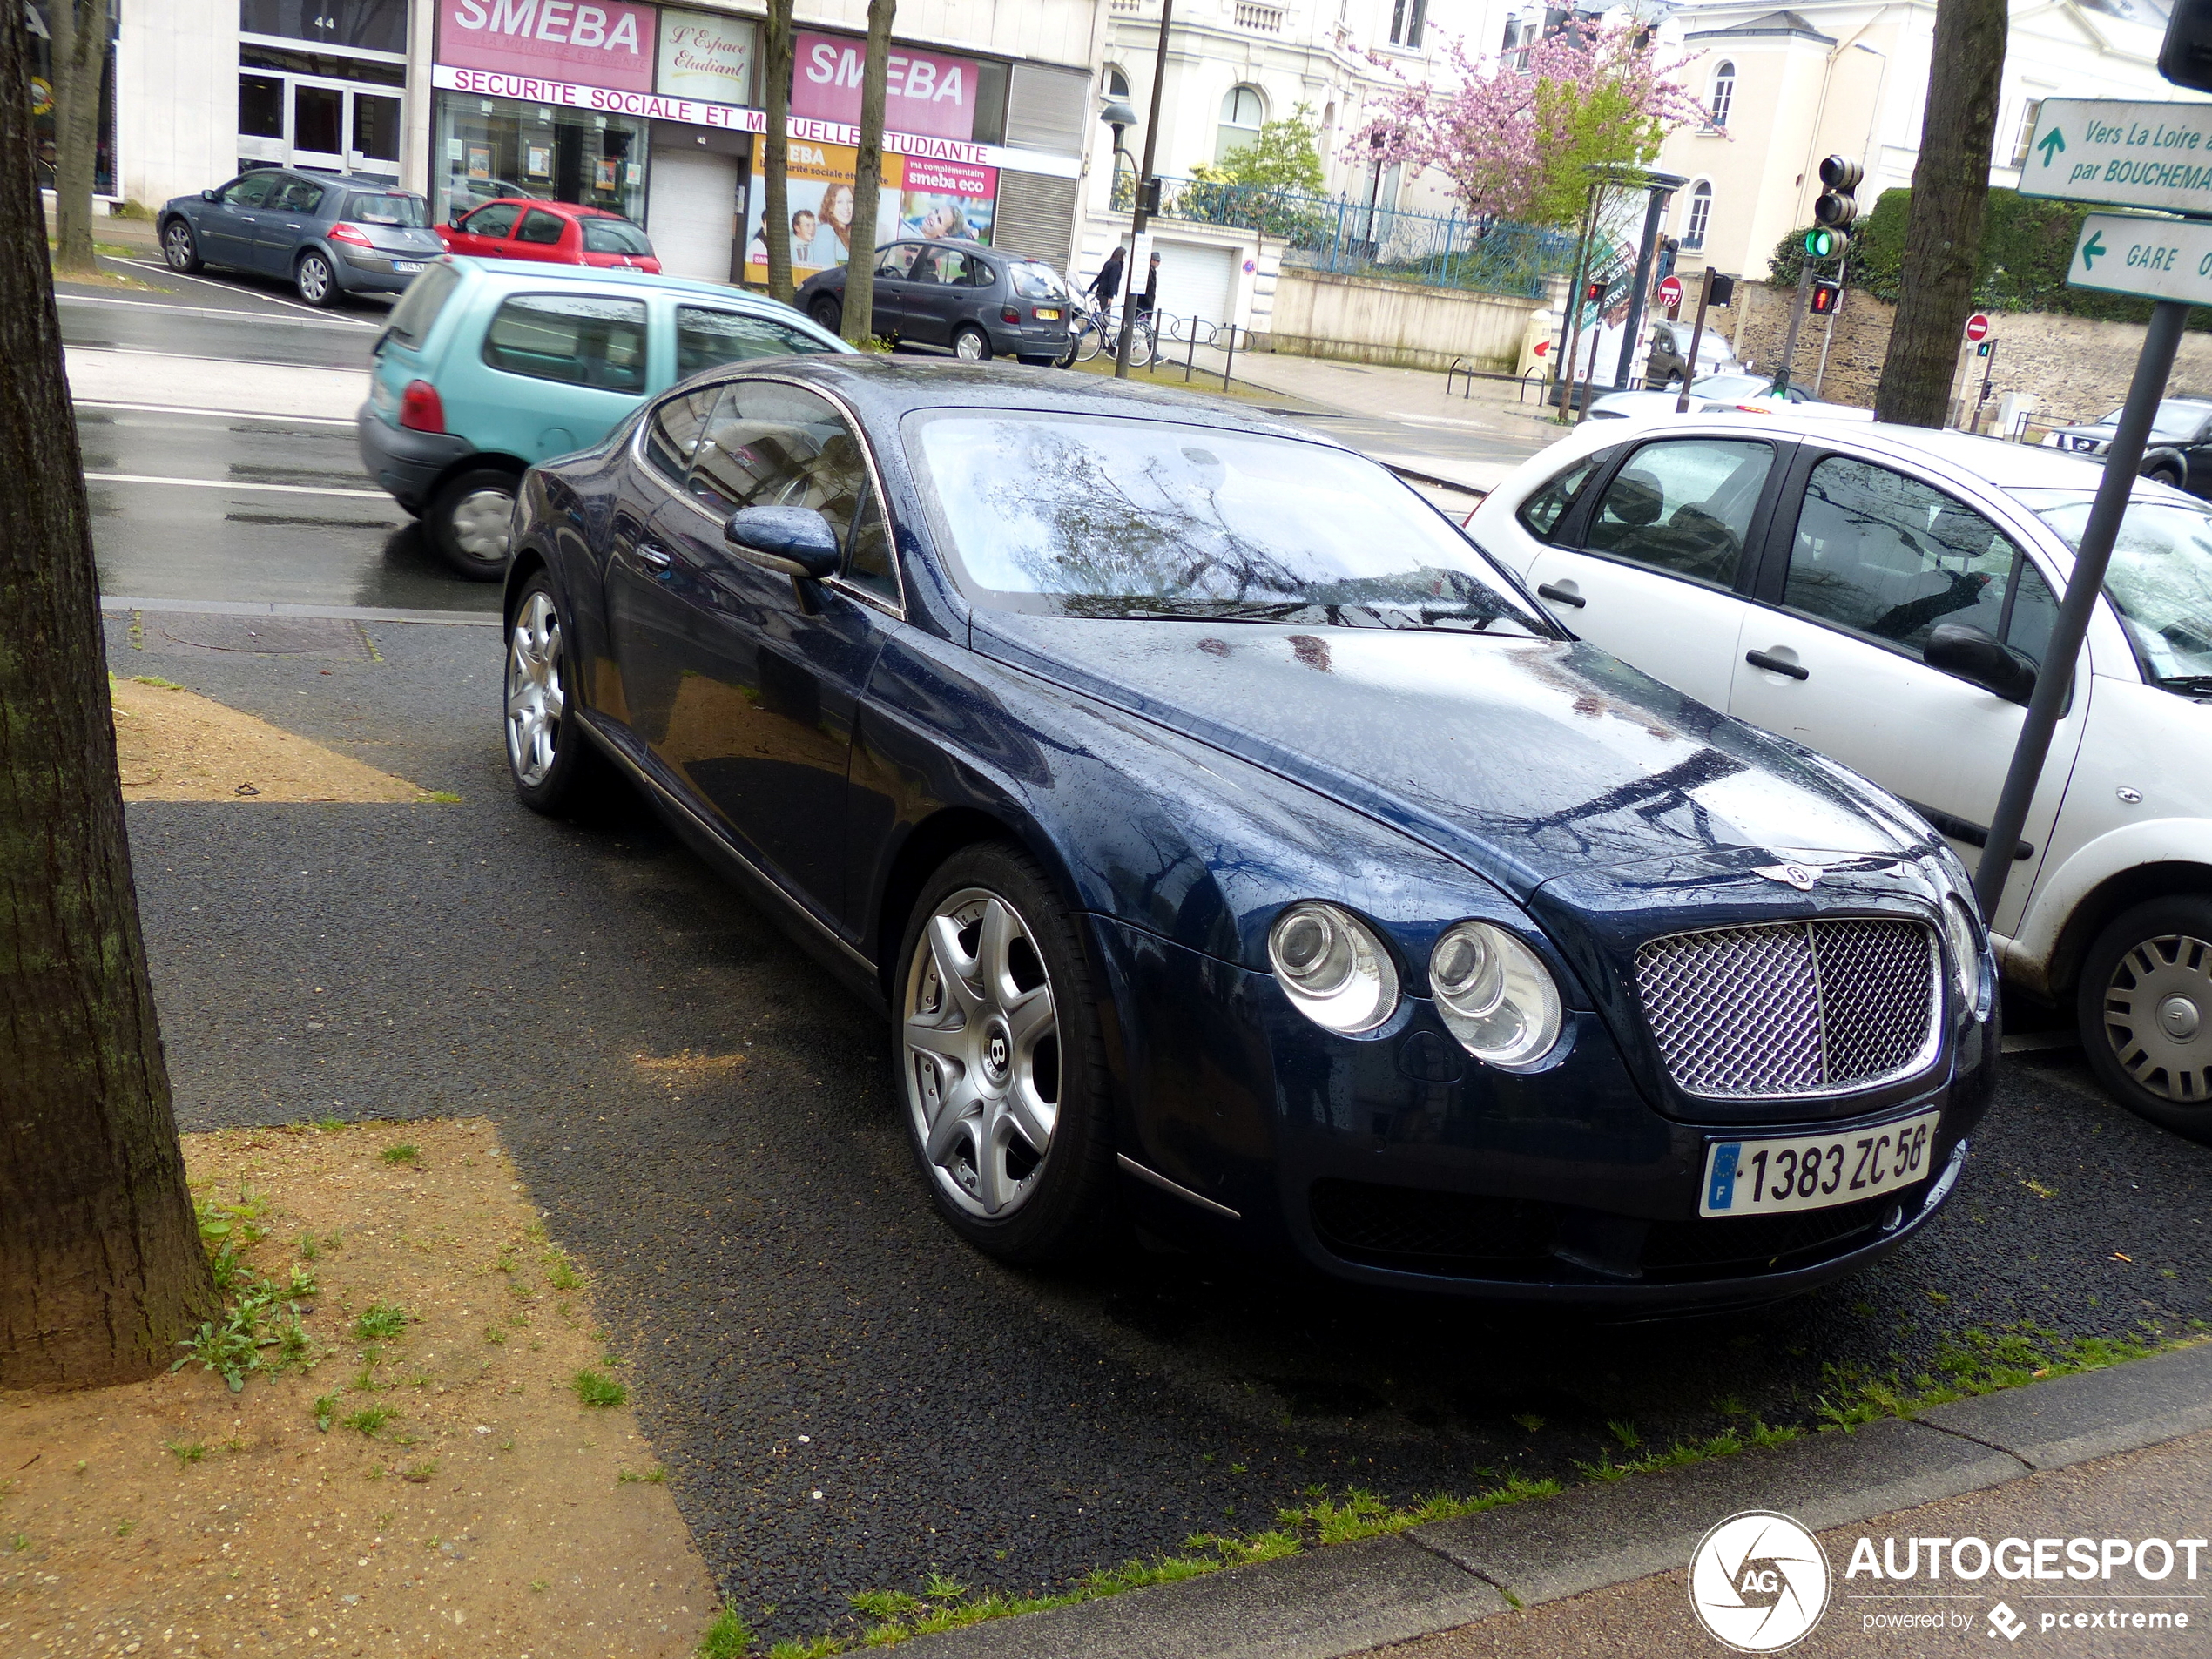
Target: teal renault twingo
{"type": "Point", "coordinates": [488, 366]}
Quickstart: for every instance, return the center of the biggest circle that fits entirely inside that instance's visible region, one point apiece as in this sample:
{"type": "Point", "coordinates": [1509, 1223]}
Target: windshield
{"type": "Point", "coordinates": [1731, 386]}
{"type": "Point", "coordinates": [396, 208]}
{"type": "Point", "coordinates": [2174, 420]}
{"type": "Point", "coordinates": [615, 236]}
{"type": "Point", "coordinates": [2161, 582]}
{"type": "Point", "coordinates": [1107, 516]}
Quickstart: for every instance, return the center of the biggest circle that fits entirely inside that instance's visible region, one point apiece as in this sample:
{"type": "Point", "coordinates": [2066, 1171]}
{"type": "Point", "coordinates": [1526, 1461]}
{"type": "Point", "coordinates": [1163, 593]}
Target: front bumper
{"type": "Point", "coordinates": [1393, 1159]}
{"type": "Point", "coordinates": [407, 463]}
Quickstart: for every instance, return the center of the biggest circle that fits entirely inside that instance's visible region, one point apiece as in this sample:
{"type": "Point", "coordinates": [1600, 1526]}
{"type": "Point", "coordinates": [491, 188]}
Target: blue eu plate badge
{"type": "Point", "coordinates": [1721, 1195]}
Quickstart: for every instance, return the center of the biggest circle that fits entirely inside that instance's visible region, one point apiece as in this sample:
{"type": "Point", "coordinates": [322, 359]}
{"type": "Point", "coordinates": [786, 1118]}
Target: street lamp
{"type": "Point", "coordinates": [1118, 116]}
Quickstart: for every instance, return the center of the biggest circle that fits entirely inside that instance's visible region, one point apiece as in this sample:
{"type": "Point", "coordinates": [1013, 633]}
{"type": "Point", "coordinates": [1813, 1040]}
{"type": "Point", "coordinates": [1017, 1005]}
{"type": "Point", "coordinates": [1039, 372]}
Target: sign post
{"type": "Point", "coordinates": [2170, 261]}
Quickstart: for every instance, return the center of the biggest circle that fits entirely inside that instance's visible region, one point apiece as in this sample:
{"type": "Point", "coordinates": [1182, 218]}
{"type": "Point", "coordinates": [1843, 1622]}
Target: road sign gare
{"type": "Point", "coordinates": [2155, 259]}
{"type": "Point", "coordinates": [2121, 153]}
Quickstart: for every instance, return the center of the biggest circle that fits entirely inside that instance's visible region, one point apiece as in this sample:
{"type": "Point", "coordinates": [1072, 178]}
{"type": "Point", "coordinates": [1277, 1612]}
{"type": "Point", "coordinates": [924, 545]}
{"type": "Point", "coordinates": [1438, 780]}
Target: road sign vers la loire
{"type": "Point", "coordinates": [2122, 154]}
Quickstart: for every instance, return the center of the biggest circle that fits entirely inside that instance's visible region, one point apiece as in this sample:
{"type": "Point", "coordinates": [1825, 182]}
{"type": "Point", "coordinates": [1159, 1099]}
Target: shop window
{"type": "Point", "coordinates": [260, 106]}
{"type": "Point", "coordinates": [42, 77]}
{"type": "Point", "coordinates": [365, 25]}
{"type": "Point", "coordinates": [317, 114]}
{"type": "Point", "coordinates": [1242, 111]}
{"type": "Point", "coordinates": [1723, 95]}
{"type": "Point", "coordinates": [376, 126]}
{"type": "Point", "coordinates": [576, 339]}
{"type": "Point", "coordinates": [488, 148]}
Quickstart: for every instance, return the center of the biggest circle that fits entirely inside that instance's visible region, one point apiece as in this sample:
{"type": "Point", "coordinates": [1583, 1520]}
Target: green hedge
{"type": "Point", "coordinates": [2027, 246]}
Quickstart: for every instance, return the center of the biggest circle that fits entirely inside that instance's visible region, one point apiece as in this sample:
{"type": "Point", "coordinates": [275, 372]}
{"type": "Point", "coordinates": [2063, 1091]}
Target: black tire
{"type": "Point", "coordinates": [2165, 475]}
{"type": "Point", "coordinates": [314, 278]}
{"type": "Point", "coordinates": [971, 344]}
{"type": "Point", "coordinates": [568, 775]}
{"type": "Point", "coordinates": [1053, 1206]}
{"type": "Point", "coordinates": [2145, 1007]}
{"type": "Point", "coordinates": [828, 311]}
{"type": "Point", "coordinates": [179, 247]}
{"type": "Point", "coordinates": [460, 516]}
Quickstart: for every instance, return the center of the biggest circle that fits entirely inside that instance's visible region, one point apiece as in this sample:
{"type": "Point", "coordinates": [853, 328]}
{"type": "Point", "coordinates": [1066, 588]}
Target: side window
{"type": "Point", "coordinates": [1683, 505]}
{"type": "Point", "coordinates": [953, 268]}
{"type": "Point", "coordinates": [579, 339]}
{"type": "Point", "coordinates": [1541, 514]}
{"type": "Point", "coordinates": [674, 430]}
{"type": "Point", "coordinates": [868, 559]}
{"type": "Point", "coordinates": [298, 196]}
{"type": "Point", "coordinates": [540, 227]}
{"type": "Point", "coordinates": [2031, 612]}
{"type": "Point", "coordinates": [1889, 557]}
{"type": "Point", "coordinates": [251, 191]}
{"type": "Point", "coordinates": [897, 260]}
{"type": "Point", "coordinates": [980, 274]}
{"type": "Point", "coordinates": [706, 338]}
{"type": "Point", "coordinates": [498, 219]}
{"type": "Point", "coordinates": [772, 445]}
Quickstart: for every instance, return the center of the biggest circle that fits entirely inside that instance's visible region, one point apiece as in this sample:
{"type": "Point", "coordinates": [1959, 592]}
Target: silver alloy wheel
{"type": "Point", "coordinates": [534, 698]}
{"type": "Point", "coordinates": [480, 523]}
{"type": "Point", "coordinates": [314, 279]}
{"type": "Point", "coordinates": [982, 1063]}
{"type": "Point", "coordinates": [2158, 1017]}
{"type": "Point", "coordinates": [177, 247]}
{"type": "Point", "coordinates": [969, 346]}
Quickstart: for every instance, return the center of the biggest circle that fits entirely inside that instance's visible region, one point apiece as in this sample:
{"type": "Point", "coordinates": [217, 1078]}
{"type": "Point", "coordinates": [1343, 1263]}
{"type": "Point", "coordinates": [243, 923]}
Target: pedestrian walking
{"type": "Point", "coordinates": [1152, 287]}
{"type": "Point", "coordinates": [1107, 283]}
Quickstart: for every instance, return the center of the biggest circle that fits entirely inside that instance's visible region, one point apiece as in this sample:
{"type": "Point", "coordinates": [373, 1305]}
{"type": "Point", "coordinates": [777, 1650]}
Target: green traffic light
{"type": "Point", "coordinates": [1819, 244]}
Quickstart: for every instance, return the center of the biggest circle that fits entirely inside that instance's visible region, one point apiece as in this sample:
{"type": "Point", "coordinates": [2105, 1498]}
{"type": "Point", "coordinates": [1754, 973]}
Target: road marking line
{"type": "Point", "coordinates": [210, 311]}
{"type": "Point", "coordinates": [114, 604]}
{"type": "Point", "coordinates": [202, 357]}
{"type": "Point", "coordinates": [244, 293]}
{"type": "Point", "coordinates": [230, 484]}
{"type": "Point", "coordinates": [217, 415]}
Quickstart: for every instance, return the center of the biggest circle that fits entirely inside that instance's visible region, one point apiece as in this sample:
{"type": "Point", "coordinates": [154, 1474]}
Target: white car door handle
{"type": "Point", "coordinates": [1558, 595]}
{"type": "Point", "coordinates": [1776, 665]}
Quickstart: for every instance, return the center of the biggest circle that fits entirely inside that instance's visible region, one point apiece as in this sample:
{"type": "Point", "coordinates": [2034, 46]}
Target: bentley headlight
{"type": "Point", "coordinates": [1333, 966]}
{"type": "Point", "coordinates": [1495, 994]}
{"type": "Point", "coordinates": [1963, 934]}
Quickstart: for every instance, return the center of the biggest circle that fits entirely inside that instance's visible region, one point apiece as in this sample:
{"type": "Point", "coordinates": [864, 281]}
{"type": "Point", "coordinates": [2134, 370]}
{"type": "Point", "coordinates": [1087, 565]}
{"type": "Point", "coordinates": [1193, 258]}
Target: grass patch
{"type": "Point", "coordinates": [370, 1420]}
{"type": "Point", "coordinates": [380, 1322]}
{"type": "Point", "coordinates": [187, 1453]}
{"type": "Point", "coordinates": [156, 681]}
{"type": "Point", "coordinates": [260, 1328]}
{"type": "Point", "coordinates": [595, 1388]}
{"type": "Point", "coordinates": [728, 1637]}
{"type": "Point", "coordinates": [1976, 1362]}
{"type": "Point", "coordinates": [400, 1152]}
{"type": "Point", "coordinates": [653, 1477]}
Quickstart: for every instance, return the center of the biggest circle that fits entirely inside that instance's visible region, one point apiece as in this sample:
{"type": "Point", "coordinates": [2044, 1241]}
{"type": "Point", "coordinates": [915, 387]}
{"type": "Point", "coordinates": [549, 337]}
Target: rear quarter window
{"type": "Point", "coordinates": [417, 311]}
{"type": "Point", "coordinates": [575, 338]}
{"type": "Point", "coordinates": [615, 236]}
{"type": "Point", "coordinates": [1543, 512]}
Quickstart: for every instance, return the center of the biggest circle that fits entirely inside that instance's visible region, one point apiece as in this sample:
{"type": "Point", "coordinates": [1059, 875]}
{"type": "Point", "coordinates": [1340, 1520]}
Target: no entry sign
{"type": "Point", "coordinates": [1977, 325]}
{"type": "Point", "coordinates": [1670, 291]}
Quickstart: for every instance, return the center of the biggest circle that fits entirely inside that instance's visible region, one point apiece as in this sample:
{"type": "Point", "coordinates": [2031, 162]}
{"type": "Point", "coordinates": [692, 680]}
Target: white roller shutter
{"type": "Point", "coordinates": [1196, 279]}
{"type": "Point", "coordinates": [1035, 216]}
{"type": "Point", "coordinates": [691, 211]}
{"type": "Point", "coordinates": [1047, 109]}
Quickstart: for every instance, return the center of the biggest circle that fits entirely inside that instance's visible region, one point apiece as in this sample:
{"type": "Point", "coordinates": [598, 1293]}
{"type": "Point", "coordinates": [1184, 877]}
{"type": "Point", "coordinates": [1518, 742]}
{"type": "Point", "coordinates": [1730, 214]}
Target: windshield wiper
{"type": "Point", "coordinates": [2187, 681]}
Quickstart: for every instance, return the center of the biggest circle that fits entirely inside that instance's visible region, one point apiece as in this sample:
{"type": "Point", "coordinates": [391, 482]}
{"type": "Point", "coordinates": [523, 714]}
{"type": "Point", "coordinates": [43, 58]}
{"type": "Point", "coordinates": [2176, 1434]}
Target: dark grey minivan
{"type": "Point", "coordinates": [973, 302]}
{"type": "Point", "coordinates": [327, 233]}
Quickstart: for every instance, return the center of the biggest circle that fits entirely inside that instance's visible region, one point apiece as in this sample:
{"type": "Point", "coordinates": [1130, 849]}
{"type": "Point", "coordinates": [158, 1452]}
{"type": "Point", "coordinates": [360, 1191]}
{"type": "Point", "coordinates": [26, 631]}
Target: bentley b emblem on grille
{"type": "Point", "coordinates": [1799, 876]}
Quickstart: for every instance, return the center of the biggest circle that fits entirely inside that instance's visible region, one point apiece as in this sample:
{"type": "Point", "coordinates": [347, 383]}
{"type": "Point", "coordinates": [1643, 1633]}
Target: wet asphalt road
{"type": "Point", "coordinates": [759, 1242]}
{"type": "Point", "coordinates": [767, 1258]}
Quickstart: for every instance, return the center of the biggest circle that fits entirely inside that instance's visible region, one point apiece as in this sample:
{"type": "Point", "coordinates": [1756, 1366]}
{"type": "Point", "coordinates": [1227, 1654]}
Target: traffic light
{"type": "Point", "coordinates": [1824, 245]}
{"type": "Point", "coordinates": [1836, 207]}
{"type": "Point", "coordinates": [1985, 348]}
{"type": "Point", "coordinates": [1827, 298]}
{"type": "Point", "coordinates": [2186, 57]}
{"type": "Point", "coordinates": [1594, 293]}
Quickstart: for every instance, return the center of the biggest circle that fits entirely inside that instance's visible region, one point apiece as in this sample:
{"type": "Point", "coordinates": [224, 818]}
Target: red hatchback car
{"type": "Point", "coordinates": [558, 233]}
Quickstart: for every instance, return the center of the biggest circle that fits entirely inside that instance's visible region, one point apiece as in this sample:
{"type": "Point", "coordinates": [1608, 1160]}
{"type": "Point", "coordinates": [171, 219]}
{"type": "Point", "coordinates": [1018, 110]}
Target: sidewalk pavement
{"type": "Point", "coordinates": [1527, 1578]}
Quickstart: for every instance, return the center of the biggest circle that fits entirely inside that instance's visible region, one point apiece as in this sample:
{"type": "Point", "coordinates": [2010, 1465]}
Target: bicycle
{"type": "Point", "coordinates": [1094, 329]}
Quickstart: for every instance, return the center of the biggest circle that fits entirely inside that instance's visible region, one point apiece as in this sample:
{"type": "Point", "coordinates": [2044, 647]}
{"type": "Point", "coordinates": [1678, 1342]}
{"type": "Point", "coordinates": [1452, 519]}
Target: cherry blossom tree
{"type": "Point", "coordinates": [1514, 141]}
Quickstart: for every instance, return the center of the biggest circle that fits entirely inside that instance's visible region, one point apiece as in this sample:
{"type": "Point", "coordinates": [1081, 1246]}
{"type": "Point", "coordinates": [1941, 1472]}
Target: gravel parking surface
{"type": "Point", "coordinates": [847, 1398]}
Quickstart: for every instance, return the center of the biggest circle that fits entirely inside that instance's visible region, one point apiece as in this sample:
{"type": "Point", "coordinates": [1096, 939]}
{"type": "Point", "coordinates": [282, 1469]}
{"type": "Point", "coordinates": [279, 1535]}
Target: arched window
{"type": "Point", "coordinates": [1242, 111]}
{"type": "Point", "coordinates": [1701, 214]}
{"type": "Point", "coordinates": [1117, 82]}
{"type": "Point", "coordinates": [1724, 94]}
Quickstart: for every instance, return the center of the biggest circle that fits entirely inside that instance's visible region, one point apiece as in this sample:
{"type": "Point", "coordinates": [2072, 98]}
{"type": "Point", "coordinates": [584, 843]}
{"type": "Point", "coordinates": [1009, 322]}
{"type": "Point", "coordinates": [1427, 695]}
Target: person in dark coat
{"type": "Point", "coordinates": [1151, 288]}
{"type": "Point", "coordinates": [1107, 284]}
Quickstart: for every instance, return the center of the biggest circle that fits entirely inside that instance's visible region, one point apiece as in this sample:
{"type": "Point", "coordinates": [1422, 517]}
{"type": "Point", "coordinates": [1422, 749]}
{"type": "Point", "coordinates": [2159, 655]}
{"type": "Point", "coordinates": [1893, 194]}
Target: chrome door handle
{"type": "Point", "coordinates": [655, 557]}
{"type": "Point", "coordinates": [1560, 595]}
{"type": "Point", "coordinates": [1776, 665]}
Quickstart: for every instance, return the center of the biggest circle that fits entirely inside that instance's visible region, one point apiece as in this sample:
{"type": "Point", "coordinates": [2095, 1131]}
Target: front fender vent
{"type": "Point", "coordinates": [1794, 1009]}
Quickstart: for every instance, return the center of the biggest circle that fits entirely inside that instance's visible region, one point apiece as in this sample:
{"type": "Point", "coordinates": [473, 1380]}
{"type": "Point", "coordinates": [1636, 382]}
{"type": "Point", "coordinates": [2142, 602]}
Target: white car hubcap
{"type": "Point", "coordinates": [982, 1052]}
{"type": "Point", "coordinates": [2158, 1017]}
{"type": "Point", "coordinates": [970, 346]}
{"type": "Point", "coordinates": [480, 521]}
{"type": "Point", "coordinates": [535, 699]}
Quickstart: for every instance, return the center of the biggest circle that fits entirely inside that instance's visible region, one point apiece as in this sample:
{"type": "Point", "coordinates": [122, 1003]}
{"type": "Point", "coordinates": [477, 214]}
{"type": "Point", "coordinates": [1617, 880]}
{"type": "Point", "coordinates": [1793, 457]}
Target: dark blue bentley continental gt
{"type": "Point", "coordinates": [1231, 842]}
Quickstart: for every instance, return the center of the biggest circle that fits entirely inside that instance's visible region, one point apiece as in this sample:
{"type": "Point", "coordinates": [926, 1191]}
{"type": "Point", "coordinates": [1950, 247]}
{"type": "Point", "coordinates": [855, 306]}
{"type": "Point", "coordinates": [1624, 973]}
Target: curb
{"type": "Point", "coordinates": [1344, 1599]}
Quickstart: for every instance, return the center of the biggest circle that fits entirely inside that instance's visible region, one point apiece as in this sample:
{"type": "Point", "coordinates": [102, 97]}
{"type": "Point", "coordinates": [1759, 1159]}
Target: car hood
{"type": "Point", "coordinates": [1524, 759]}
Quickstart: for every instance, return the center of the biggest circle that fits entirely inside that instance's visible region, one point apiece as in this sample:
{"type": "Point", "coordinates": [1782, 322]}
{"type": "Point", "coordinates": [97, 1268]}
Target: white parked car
{"type": "Point", "coordinates": [1884, 595]}
{"type": "Point", "coordinates": [1722, 393]}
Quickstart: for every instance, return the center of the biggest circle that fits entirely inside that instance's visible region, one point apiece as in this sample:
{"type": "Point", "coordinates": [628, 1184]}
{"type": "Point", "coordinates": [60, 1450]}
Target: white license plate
{"type": "Point", "coordinates": [1768, 1176]}
{"type": "Point", "coordinates": [407, 267]}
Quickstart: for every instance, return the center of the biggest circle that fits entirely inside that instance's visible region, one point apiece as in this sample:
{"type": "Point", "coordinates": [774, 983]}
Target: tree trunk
{"type": "Point", "coordinates": [80, 30]}
{"type": "Point", "coordinates": [867, 176]}
{"type": "Point", "coordinates": [1949, 189]}
{"type": "Point", "coordinates": [101, 1271]}
{"type": "Point", "coordinates": [775, 147]}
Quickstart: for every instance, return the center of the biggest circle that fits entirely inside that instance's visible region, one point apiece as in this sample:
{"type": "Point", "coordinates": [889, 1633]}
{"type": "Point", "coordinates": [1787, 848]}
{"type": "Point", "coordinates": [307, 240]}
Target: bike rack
{"type": "Point", "coordinates": [1460, 368]}
{"type": "Point", "coordinates": [1541, 377]}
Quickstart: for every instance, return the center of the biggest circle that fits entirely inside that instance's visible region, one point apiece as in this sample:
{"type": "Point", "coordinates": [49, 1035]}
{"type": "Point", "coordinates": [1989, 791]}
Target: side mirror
{"type": "Point", "coordinates": [790, 541]}
{"type": "Point", "coordinates": [1980, 658]}
{"type": "Point", "coordinates": [207, 195]}
{"type": "Point", "coordinates": [454, 218]}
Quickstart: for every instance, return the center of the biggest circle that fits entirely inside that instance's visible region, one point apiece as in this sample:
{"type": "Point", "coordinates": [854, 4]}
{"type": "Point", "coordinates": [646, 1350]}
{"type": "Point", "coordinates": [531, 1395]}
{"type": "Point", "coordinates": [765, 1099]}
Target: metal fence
{"type": "Point", "coordinates": [1350, 237]}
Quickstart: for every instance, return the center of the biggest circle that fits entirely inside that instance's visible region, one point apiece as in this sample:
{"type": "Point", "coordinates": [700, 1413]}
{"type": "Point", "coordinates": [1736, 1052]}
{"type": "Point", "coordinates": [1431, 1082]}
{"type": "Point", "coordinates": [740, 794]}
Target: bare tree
{"type": "Point", "coordinates": [79, 28]}
{"type": "Point", "coordinates": [867, 176]}
{"type": "Point", "coordinates": [775, 147]}
{"type": "Point", "coordinates": [1950, 190]}
{"type": "Point", "coordinates": [101, 1271]}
